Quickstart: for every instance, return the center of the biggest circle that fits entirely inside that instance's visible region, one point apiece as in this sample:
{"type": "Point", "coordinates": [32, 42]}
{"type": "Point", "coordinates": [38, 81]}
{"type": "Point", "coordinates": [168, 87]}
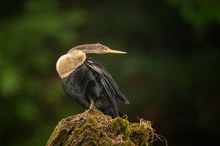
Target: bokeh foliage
{"type": "Point", "coordinates": [170, 74]}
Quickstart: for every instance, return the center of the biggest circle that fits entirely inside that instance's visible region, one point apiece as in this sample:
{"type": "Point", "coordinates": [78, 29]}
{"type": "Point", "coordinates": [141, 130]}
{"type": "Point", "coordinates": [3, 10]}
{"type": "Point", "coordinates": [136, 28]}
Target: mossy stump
{"type": "Point", "coordinates": [99, 129]}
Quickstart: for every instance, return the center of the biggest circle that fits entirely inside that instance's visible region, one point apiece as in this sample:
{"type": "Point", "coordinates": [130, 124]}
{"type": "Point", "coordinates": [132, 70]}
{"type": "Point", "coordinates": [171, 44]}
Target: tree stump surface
{"type": "Point", "coordinates": [98, 129]}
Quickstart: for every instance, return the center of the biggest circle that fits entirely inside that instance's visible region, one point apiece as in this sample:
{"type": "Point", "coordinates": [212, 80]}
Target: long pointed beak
{"type": "Point", "coordinates": [115, 51]}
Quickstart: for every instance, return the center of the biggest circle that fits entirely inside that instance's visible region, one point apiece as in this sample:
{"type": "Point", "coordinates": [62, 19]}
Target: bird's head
{"type": "Point", "coordinates": [75, 57]}
{"type": "Point", "coordinates": [95, 48]}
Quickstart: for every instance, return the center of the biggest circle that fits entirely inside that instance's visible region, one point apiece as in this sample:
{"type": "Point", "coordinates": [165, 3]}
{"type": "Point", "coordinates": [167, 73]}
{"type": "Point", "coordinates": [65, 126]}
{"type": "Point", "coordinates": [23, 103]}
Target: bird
{"type": "Point", "coordinates": [87, 81]}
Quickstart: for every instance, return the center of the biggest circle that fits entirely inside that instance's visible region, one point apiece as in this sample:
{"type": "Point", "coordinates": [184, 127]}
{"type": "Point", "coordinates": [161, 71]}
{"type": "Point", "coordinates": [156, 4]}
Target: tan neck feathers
{"type": "Point", "coordinates": [67, 63]}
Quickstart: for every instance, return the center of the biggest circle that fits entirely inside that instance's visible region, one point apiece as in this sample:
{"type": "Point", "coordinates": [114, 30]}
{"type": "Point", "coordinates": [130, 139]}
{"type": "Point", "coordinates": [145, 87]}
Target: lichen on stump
{"type": "Point", "coordinates": [99, 129]}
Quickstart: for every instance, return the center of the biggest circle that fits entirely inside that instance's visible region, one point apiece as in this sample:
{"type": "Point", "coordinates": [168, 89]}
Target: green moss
{"type": "Point", "coordinates": [99, 129]}
{"type": "Point", "coordinates": [121, 126]}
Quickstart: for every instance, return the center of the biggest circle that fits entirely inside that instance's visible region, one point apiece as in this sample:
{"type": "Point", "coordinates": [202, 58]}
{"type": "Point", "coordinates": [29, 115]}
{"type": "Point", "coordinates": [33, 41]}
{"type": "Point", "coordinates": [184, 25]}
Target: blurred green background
{"type": "Point", "coordinates": [171, 74]}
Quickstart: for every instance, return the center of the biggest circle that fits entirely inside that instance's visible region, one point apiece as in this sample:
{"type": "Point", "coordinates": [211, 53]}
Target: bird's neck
{"type": "Point", "coordinates": [68, 63]}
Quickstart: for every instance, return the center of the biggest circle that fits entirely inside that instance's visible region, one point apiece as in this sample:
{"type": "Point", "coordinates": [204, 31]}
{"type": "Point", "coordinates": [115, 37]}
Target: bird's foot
{"type": "Point", "coordinates": [84, 115]}
{"type": "Point", "coordinates": [81, 116]}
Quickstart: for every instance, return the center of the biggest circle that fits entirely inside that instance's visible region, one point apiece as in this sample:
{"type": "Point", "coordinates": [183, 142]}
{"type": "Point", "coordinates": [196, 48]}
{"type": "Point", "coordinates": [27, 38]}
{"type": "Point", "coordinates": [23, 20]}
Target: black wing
{"type": "Point", "coordinates": [108, 83]}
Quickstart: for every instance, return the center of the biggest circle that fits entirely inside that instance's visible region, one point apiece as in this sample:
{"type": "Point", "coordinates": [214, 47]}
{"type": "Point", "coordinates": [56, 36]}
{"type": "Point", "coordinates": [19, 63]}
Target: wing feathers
{"type": "Point", "coordinates": [108, 83]}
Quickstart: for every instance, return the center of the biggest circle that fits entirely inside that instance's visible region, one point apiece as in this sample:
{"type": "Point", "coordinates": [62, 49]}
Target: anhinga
{"type": "Point", "coordinates": [87, 81]}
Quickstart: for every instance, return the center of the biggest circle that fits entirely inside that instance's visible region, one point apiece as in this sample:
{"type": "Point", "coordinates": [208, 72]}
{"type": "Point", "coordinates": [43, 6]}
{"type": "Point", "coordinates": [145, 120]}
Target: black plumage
{"type": "Point", "coordinates": [91, 81]}
{"type": "Point", "coordinates": [87, 82]}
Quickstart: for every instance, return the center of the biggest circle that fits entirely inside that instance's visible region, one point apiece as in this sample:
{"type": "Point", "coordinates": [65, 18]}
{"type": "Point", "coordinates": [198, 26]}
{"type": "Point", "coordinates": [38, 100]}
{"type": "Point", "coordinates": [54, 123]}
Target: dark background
{"type": "Point", "coordinates": [170, 74]}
